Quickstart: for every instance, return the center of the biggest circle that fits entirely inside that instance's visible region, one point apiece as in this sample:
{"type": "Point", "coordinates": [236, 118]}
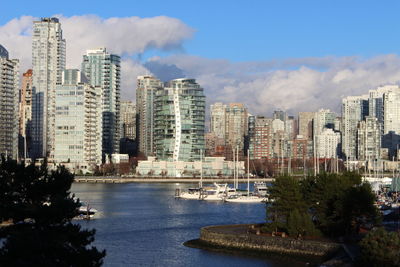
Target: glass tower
{"type": "Point", "coordinates": [180, 121]}
{"type": "Point", "coordinates": [103, 69]}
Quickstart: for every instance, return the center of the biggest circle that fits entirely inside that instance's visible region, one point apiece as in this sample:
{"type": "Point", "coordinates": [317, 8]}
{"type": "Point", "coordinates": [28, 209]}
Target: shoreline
{"type": "Point", "coordinates": [117, 179]}
{"type": "Point", "coordinates": [241, 239]}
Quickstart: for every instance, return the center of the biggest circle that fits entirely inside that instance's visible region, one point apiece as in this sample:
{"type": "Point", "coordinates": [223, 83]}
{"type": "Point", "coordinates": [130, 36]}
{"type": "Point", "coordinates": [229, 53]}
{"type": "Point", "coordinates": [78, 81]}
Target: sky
{"type": "Point", "coordinates": [291, 55]}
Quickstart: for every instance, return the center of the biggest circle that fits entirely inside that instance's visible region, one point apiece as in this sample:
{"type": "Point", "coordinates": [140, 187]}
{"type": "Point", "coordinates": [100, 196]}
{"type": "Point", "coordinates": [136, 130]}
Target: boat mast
{"type": "Point", "coordinates": [248, 173]}
{"type": "Point", "coordinates": [201, 169]}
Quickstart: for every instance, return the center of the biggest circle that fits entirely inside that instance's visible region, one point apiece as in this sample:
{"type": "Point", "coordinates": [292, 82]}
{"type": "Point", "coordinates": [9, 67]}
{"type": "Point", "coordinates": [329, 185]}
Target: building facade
{"type": "Point", "coordinates": [369, 139]}
{"type": "Point", "coordinates": [218, 119]}
{"type": "Point", "coordinates": [9, 90]}
{"type": "Point", "coordinates": [236, 126]}
{"type": "Point", "coordinates": [78, 122]}
{"type": "Point", "coordinates": [145, 96]}
{"type": "Point", "coordinates": [327, 144]}
{"type": "Point", "coordinates": [261, 137]}
{"type": "Point", "coordinates": [354, 110]}
{"type": "Point", "coordinates": [128, 120]}
{"type": "Point", "coordinates": [306, 124]}
{"type": "Point", "coordinates": [179, 121]}
{"type": "Point", "coordinates": [48, 63]}
{"type": "Point", "coordinates": [103, 69]}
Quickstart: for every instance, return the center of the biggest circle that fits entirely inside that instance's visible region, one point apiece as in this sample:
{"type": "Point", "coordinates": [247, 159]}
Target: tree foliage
{"type": "Point", "coordinates": [335, 204]}
{"type": "Point", "coordinates": [380, 248]}
{"type": "Point", "coordinates": [40, 207]}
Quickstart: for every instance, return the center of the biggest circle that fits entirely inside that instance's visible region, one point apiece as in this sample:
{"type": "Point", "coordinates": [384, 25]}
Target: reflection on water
{"type": "Point", "coordinates": [144, 225]}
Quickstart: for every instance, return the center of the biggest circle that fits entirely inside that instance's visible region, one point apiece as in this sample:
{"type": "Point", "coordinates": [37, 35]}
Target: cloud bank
{"type": "Point", "coordinates": [293, 84]}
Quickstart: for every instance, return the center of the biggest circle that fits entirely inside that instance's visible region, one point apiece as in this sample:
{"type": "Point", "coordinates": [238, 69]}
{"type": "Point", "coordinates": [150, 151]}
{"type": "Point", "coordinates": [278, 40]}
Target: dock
{"type": "Point", "coordinates": [120, 180]}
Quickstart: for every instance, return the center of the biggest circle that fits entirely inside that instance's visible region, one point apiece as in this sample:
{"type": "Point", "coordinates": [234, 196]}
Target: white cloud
{"type": "Point", "coordinates": [124, 36]}
{"type": "Point", "coordinates": [293, 84]}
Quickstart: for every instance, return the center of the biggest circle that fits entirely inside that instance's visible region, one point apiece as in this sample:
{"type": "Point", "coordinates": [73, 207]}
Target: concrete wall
{"type": "Point", "coordinates": [235, 236]}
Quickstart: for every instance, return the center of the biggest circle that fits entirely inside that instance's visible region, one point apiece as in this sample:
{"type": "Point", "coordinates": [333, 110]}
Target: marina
{"type": "Point", "coordinates": [137, 221]}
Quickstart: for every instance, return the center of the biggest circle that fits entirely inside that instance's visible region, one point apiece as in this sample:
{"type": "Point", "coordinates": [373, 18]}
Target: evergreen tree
{"type": "Point", "coordinates": [40, 207]}
{"type": "Point", "coordinates": [380, 248]}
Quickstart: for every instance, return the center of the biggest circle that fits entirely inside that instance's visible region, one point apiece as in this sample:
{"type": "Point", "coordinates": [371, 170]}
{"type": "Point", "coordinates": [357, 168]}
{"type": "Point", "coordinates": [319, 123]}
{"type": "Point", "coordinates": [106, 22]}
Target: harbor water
{"type": "Point", "coordinates": [143, 224]}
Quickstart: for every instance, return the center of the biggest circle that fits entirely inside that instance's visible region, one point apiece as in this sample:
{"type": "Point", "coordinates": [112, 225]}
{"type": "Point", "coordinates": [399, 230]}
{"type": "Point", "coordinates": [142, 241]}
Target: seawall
{"type": "Point", "coordinates": [239, 237]}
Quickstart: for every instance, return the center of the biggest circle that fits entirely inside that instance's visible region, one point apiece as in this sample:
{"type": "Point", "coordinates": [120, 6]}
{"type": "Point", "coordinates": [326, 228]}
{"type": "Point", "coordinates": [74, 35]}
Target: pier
{"type": "Point", "coordinates": [119, 180]}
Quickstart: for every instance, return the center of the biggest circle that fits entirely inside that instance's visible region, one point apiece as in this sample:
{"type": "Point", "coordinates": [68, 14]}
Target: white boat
{"type": "Point", "coordinates": [191, 193]}
{"type": "Point", "coordinates": [245, 199]}
{"type": "Point", "coordinates": [260, 189]}
{"type": "Point", "coordinates": [249, 198]}
{"type": "Point", "coordinates": [214, 193]}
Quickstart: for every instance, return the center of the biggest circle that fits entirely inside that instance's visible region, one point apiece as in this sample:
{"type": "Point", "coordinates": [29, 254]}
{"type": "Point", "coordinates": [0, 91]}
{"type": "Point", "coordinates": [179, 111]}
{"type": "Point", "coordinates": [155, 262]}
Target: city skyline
{"type": "Point", "coordinates": [276, 61]}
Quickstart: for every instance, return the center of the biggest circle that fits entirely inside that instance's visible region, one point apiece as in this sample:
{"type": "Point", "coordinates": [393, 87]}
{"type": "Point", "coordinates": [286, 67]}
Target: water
{"type": "Point", "coordinates": [144, 225]}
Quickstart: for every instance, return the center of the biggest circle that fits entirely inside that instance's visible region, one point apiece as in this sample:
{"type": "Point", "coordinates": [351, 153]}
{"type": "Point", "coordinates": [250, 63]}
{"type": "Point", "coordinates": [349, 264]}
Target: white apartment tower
{"type": "Point", "coordinates": [391, 116]}
{"type": "Point", "coordinates": [9, 89]}
{"type": "Point", "coordinates": [78, 121]}
{"type": "Point", "coordinates": [354, 110]}
{"type": "Point", "coordinates": [327, 143]}
{"type": "Point", "coordinates": [48, 62]}
{"type": "Point", "coordinates": [369, 139]}
{"type": "Point", "coordinates": [103, 69]}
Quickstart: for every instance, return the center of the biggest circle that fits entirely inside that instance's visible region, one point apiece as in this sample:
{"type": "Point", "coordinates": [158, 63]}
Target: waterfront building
{"type": "Point", "coordinates": [261, 137]}
{"type": "Point", "coordinates": [236, 126]}
{"type": "Point", "coordinates": [369, 139]}
{"type": "Point", "coordinates": [210, 167]}
{"type": "Point", "coordinates": [218, 119]}
{"type": "Point", "coordinates": [48, 63]}
{"type": "Point", "coordinates": [179, 121]}
{"type": "Point", "coordinates": [145, 96]}
{"type": "Point", "coordinates": [128, 120]}
{"type": "Point", "coordinates": [9, 90]}
{"type": "Point", "coordinates": [327, 143]}
{"type": "Point", "coordinates": [103, 69]}
{"type": "Point", "coordinates": [215, 146]}
{"type": "Point", "coordinates": [78, 122]}
{"type": "Point", "coordinates": [354, 110]}
{"type": "Point", "coordinates": [306, 124]}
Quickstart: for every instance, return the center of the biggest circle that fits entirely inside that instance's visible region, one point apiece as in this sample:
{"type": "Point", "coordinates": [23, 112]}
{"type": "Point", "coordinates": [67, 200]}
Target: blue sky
{"type": "Point", "coordinates": [291, 55]}
{"type": "Point", "coordinates": [253, 30]}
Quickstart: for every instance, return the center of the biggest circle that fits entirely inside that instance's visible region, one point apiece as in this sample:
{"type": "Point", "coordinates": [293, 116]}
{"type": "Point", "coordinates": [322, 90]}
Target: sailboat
{"type": "Point", "coordinates": [249, 198]}
{"type": "Point", "coordinates": [195, 192]}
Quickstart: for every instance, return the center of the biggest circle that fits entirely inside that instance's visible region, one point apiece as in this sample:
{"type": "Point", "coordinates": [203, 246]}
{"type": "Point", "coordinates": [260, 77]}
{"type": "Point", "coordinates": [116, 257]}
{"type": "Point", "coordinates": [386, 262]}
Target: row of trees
{"type": "Point", "coordinates": [36, 209]}
{"type": "Point", "coordinates": [327, 204]}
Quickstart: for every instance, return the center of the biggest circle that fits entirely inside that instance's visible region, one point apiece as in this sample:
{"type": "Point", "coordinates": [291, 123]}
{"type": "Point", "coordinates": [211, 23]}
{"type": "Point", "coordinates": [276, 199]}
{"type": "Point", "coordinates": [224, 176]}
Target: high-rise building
{"type": "Point", "coordinates": [369, 139]}
{"type": "Point", "coordinates": [179, 121]}
{"type": "Point", "coordinates": [218, 116]}
{"type": "Point", "coordinates": [128, 120]}
{"type": "Point", "coordinates": [327, 143]}
{"type": "Point", "coordinates": [305, 124]}
{"type": "Point", "coordinates": [391, 116]}
{"type": "Point", "coordinates": [261, 137]}
{"type": "Point", "coordinates": [323, 118]}
{"type": "Point", "coordinates": [78, 120]}
{"type": "Point", "coordinates": [25, 113]}
{"type": "Point", "coordinates": [48, 62]}
{"type": "Point", "coordinates": [236, 126]}
{"type": "Point", "coordinates": [103, 69]}
{"type": "Point", "coordinates": [375, 101]}
{"type": "Point", "coordinates": [280, 115]}
{"type": "Point", "coordinates": [354, 110]}
{"type": "Point", "coordinates": [145, 96]}
{"type": "Point", "coordinates": [9, 90]}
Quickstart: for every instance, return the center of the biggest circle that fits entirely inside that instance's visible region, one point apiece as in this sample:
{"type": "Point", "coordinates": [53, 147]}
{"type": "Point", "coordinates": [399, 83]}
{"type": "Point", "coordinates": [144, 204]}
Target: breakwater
{"type": "Point", "coordinates": [240, 237]}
